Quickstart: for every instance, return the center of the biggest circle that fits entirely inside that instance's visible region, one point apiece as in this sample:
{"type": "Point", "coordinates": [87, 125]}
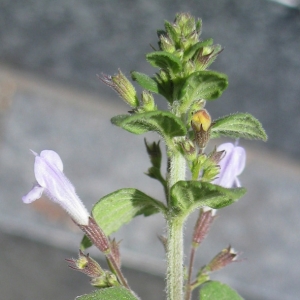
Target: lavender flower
{"type": "Point", "coordinates": [50, 180]}
{"type": "Point", "coordinates": [231, 165]}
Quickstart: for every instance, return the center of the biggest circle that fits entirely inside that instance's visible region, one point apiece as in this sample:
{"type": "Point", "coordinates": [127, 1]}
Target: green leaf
{"type": "Point", "coordinates": [145, 81]}
{"type": "Point", "coordinates": [192, 50]}
{"type": "Point", "coordinates": [206, 85]}
{"type": "Point", "coordinates": [215, 290]}
{"type": "Point", "coordinates": [164, 123]}
{"type": "Point", "coordinates": [85, 243]}
{"type": "Point", "coordinates": [189, 195]}
{"type": "Point", "coordinates": [112, 293]}
{"type": "Point", "coordinates": [171, 32]}
{"type": "Point", "coordinates": [119, 207]}
{"type": "Point", "coordinates": [238, 125]}
{"type": "Point", "coordinates": [164, 60]}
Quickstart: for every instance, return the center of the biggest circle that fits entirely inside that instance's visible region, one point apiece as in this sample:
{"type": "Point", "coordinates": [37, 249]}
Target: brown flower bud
{"type": "Point", "coordinates": [96, 235]}
{"type": "Point", "coordinates": [189, 149]}
{"type": "Point", "coordinates": [205, 219]}
{"type": "Point", "coordinates": [86, 265]}
{"type": "Point", "coordinates": [222, 259]}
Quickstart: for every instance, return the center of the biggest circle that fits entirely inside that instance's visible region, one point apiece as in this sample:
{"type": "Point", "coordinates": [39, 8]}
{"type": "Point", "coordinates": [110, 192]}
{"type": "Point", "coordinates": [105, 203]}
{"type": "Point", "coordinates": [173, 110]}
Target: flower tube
{"type": "Point", "coordinates": [50, 180]}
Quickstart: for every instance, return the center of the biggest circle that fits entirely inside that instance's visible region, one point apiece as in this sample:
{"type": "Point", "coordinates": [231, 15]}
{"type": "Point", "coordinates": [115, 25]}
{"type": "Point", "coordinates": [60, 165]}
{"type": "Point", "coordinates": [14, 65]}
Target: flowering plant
{"type": "Point", "coordinates": [186, 128]}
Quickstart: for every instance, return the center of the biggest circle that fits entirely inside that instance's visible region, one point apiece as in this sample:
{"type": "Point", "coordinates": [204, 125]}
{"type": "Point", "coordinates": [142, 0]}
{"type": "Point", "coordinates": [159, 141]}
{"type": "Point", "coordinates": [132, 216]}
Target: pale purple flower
{"type": "Point", "coordinates": [50, 180]}
{"type": "Point", "coordinates": [231, 165]}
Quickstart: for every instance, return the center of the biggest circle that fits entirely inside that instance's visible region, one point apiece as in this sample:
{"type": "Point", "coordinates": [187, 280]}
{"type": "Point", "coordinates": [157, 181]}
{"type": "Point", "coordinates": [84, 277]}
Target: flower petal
{"type": "Point", "coordinates": [239, 159]}
{"type": "Point", "coordinates": [53, 159]}
{"type": "Point", "coordinates": [231, 165]}
{"type": "Point", "coordinates": [34, 194]}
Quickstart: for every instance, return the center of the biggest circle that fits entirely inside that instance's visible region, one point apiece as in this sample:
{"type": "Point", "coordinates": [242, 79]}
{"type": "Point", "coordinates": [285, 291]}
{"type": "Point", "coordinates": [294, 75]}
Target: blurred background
{"type": "Point", "coordinates": [50, 98]}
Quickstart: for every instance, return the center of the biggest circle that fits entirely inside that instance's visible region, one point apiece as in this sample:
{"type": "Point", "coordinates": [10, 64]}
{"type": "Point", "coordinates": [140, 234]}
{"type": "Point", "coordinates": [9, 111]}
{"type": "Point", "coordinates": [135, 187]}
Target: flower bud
{"type": "Point", "coordinates": [96, 235]}
{"type": "Point", "coordinates": [189, 68]}
{"type": "Point", "coordinates": [206, 56]}
{"type": "Point", "coordinates": [123, 87]}
{"type": "Point", "coordinates": [222, 259]}
{"type": "Point", "coordinates": [201, 118]}
{"type": "Point", "coordinates": [216, 156]}
{"type": "Point", "coordinates": [166, 44]}
{"type": "Point", "coordinates": [148, 101]}
{"type": "Point", "coordinates": [154, 152]}
{"type": "Point", "coordinates": [205, 219]}
{"type": "Point", "coordinates": [108, 279]}
{"type": "Point", "coordinates": [189, 149]}
{"type": "Point", "coordinates": [86, 265]}
{"type": "Point", "coordinates": [201, 123]}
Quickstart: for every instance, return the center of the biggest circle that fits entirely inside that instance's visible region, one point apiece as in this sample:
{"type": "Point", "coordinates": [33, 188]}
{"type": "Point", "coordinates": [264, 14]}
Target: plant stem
{"type": "Point", "coordinates": [175, 259]}
{"type": "Point", "coordinates": [188, 284]}
{"type": "Point", "coordinates": [115, 268]}
{"type": "Point", "coordinates": [175, 233]}
{"type": "Point", "coordinates": [176, 169]}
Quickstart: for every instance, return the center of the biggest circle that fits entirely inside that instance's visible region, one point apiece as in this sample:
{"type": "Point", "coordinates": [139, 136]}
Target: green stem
{"type": "Point", "coordinates": [177, 169]}
{"type": "Point", "coordinates": [116, 269]}
{"type": "Point", "coordinates": [175, 259]}
{"type": "Point", "coordinates": [175, 233]}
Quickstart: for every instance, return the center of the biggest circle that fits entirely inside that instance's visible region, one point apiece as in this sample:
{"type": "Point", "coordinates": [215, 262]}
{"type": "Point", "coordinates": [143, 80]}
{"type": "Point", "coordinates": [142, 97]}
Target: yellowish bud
{"type": "Point", "coordinates": [201, 118]}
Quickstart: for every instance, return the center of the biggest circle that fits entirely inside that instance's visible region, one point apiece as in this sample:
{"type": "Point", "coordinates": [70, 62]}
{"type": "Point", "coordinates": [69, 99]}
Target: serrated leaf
{"type": "Point", "coordinates": [192, 50]}
{"type": "Point", "coordinates": [145, 82]}
{"type": "Point", "coordinates": [112, 293]}
{"type": "Point", "coordinates": [164, 123]}
{"type": "Point", "coordinates": [206, 85]}
{"type": "Point", "coordinates": [189, 195]}
{"type": "Point", "coordinates": [239, 125]}
{"type": "Point", "coordinates": [215, 290]}
{"type": "Point", "coordinates": [164, 60]}
{"type": "Point", "coordinates": [121, 206]}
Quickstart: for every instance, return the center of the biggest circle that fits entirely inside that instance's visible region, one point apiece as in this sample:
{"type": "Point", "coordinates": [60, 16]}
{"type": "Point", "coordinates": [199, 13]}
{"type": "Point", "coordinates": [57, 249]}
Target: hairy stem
{"type": "Point", "coordinates": [177, 165]}
{"type": "Point", "coordinates": [175, 260]}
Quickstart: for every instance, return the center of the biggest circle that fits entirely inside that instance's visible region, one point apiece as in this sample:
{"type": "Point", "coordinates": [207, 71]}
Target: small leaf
{"type": "Point", "coordinates": [164, 123]}
{"type": "Point", "coordinates": [189, 195]}
{"type": "Point", "coordinates": [164, 60]}
{"type": "Point", "coordinates": [215, 290]}
{"type": "Point", "coordinates": [112, 293]}
{"type": "Point", "coordinates": [120, 207]}
{"type": "Point", "coordinates": [206, 85]}
{"type": "Point", "coordinates": [171, 32]}
{"type": "Point", "coordinates": [145, 82]}
{"type": "Point", "coordinates": [239, 125]}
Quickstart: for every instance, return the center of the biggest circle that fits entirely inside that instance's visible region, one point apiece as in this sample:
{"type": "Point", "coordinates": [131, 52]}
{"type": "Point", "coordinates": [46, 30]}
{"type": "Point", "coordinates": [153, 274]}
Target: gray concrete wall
{"type": "Point", "coordinates": [56, 102]}
{"type": "Point", "coordinates": [72, 41]}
